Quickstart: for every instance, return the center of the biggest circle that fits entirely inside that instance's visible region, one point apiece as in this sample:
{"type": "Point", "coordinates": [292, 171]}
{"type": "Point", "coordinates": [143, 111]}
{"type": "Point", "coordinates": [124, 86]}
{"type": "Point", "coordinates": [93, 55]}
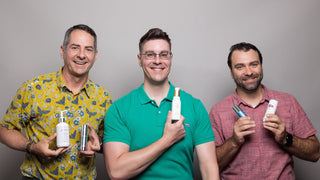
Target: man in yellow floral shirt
{"type": "Point", "coordinates": [30, 122]}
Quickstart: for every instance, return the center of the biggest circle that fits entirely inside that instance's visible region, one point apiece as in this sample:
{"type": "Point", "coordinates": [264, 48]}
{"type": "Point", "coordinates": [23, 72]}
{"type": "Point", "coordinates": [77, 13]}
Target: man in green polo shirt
{"type": "Point", "coordinates": [140, 141]}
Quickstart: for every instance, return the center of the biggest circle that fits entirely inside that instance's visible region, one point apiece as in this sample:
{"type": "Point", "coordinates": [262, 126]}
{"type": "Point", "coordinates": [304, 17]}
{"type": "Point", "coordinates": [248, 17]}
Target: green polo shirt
{"type": "Point", "coordinates": [138, 121]}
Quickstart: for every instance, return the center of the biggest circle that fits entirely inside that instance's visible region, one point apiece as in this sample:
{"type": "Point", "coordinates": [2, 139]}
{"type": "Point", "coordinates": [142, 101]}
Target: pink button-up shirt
{"type": "Point", "coordinates": [260, 157]}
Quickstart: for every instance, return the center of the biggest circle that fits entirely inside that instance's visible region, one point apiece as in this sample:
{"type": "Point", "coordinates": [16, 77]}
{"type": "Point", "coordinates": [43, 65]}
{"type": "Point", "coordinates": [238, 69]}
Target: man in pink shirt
{"type": "Point", "coordinates": [248, 147]}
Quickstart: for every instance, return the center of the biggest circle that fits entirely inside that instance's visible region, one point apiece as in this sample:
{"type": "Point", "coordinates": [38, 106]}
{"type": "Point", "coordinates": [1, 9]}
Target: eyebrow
{"type": "Point", "coordinates": [164, 51]}
{"type": "Point", "coordinates": [254, 61]}
{"type": "Point", "coordinates": [77, 45]}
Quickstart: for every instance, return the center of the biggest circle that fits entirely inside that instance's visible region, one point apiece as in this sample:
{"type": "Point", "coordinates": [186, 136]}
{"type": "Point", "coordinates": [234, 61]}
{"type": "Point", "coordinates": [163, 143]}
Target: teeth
{"type": "Point", "coordinates": [80, 63]}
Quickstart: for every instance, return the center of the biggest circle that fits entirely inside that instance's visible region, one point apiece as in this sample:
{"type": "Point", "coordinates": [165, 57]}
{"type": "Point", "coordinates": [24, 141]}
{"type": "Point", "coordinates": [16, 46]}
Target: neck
{"type": "Point", "coordinates": [73, 83]}
{"type": "Point", "coordinates": [251, 97]}
{"type": "Point", "coordinates": [156, 92]}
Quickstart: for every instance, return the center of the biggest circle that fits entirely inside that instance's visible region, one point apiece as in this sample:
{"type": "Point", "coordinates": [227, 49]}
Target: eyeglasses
{"type": "Point", "coordinates": [165, 55]}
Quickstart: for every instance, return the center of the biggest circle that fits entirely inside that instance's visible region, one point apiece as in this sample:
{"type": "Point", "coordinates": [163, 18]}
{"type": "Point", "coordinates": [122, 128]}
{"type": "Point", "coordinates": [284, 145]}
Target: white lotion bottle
{"type": "Point", "coordinates": [62, 130]}
{"type": "Point", "coordinates": [176, 106]}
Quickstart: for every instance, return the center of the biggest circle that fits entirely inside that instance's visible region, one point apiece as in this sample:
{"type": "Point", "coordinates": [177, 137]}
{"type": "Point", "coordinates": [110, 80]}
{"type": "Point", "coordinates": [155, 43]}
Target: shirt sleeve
{"type": "Point", "coordinates": [302, 126]}
{"type": "Point", "coordinates": [108, 102]}
{"type": "Point", "coordinates": [115, 128]}
{"type": "Point", "coordinates": [203, 131]}
{"type": "Point", "coordinates": [18, 113]}
{"type": "Point", "coordinates": [216, 126]}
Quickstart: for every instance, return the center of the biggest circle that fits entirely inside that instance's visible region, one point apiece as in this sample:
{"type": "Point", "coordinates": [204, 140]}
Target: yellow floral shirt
{"type": "Point", "coordinates": [35, 112]}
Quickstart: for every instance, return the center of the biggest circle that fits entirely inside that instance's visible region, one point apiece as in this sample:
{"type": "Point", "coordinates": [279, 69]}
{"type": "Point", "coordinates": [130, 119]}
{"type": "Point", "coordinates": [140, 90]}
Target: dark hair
{"type": "Point", "coordinates": [243, 46]}
{"type": "Point", "coordinates": [82, 27]}
{"type": "Point", "coordinates": [152, 34]}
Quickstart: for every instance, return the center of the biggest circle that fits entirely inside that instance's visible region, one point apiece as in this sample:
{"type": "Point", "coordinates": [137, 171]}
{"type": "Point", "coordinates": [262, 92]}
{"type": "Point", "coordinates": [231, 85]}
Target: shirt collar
{"type": "Point", "coordinates": [88, 87]}
{"type": "Point", "coordinates": [144, 98]}
{"type": "Point", "coordinates": [265, 97]}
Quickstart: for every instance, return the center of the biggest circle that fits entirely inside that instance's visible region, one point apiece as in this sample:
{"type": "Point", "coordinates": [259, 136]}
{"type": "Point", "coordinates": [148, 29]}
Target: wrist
{"type": "Point", "coordinates": [28, 146]}
{"type": "Point", "coordinates": [234, 142]}
{"type": "Point", "coordinates": [288, 140]}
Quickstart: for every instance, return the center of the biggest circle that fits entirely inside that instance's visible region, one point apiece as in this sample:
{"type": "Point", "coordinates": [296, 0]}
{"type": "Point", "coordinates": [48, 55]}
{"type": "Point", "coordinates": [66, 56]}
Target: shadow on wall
{"type": "Point", "coordinates": [10, 162]}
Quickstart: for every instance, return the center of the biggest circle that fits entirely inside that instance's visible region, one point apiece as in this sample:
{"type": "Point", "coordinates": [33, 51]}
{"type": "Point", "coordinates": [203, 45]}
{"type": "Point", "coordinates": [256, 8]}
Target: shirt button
{"type": "Point", "coordinates": [159, 112]}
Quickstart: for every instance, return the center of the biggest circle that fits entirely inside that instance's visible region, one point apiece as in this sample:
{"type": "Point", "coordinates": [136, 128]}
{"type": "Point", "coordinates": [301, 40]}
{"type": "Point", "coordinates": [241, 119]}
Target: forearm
{"type": "Point", "coordinates": [130, 164]}
{"type": "Point", "coordinates": [208, 161]}
{"type": "Point", "coordinates": [226, 153]}
{"type": "Point", "coordinates": [306, 149]}
{"type": "Point", "coordinates": [13, 139]}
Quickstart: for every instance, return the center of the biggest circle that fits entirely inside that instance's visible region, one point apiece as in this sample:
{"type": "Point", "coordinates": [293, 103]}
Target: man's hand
{"type": "Point", "coordinates": [42, 150]}
{"type": "Point", "coordinates": [276, 125]}
{"type": "Point", "coordinates": [242, 128]}
{"type": "Point", "coordinates": [93, 144]}
{"type": "Point", "coordinates": [174, 132]}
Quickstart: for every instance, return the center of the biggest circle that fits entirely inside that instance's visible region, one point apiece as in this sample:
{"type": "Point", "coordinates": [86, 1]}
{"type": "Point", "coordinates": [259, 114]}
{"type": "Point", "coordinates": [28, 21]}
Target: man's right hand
{"type": "Point", "coordinates": [242, 128]}
{"type": "Point", "coordinates": [174, 132]}
{"type": "Point", "coordinates": [42, 148]}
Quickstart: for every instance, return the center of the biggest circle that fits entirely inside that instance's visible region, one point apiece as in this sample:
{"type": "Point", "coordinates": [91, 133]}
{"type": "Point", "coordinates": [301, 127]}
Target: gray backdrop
{"type": "Point", "coordinates": [287, 33]}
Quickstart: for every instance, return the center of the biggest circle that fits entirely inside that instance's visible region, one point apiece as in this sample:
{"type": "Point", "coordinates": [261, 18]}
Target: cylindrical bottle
{"type": "Point", "coordinates": [84, 137]}
{"type": "Point", "coordinates": [176, 106]}
{"type": "Point", "coordinates": [62, 130]}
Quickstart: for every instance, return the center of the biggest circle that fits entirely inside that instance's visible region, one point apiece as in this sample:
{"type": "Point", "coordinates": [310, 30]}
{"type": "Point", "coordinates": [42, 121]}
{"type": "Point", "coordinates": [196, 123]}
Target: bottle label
{"type": "Point", "coordinates": [272, 107]}
{"type": "Point", "coordinates": [62, 135]}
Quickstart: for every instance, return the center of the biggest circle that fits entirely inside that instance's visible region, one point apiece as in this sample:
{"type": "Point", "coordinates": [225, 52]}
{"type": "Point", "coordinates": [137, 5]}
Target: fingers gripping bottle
{"type": "Point", "coordinates": [62, 130]}
{"type": "Point", "coordinates": [176, 106]}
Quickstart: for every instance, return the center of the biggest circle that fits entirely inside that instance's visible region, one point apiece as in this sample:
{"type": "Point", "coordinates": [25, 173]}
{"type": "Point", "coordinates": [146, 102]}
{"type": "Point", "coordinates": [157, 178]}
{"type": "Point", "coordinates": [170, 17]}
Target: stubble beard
{"type": "Point", "coordinates": [252, 86]}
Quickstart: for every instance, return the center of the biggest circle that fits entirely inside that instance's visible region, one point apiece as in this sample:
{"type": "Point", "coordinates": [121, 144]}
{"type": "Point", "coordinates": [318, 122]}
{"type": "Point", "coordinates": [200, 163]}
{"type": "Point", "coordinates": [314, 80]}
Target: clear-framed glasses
{"type": "Point", "coordinates": [164, 55]}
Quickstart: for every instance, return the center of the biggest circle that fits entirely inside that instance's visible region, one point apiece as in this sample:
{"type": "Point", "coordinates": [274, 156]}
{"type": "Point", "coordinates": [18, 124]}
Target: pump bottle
{"type": "Point", "coordinates": [176, 106]}
{"type": "Point", "coordinates": [62, 129]}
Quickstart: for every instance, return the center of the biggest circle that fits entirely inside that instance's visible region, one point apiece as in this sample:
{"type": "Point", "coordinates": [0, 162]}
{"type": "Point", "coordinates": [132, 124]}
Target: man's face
{"type": "Point", "coordinates": [246, 69]}
{"type": "Point", "coordinates": [156, 69]}
{"type": "Point", "coordinates": [79, 55]}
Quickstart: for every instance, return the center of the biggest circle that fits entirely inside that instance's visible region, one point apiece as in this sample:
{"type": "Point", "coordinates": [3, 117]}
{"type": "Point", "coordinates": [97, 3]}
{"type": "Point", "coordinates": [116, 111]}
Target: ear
{"type": "Point", "coordinates": [139, 59]}
{"type": "Point", "coordinates": [61, 51]}
{"type": "Point", "coordinates": [231, 74]}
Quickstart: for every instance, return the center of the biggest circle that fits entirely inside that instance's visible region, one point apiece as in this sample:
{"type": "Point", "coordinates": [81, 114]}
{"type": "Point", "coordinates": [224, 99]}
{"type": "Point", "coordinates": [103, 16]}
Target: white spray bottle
{"type": "Point", "coordinates": [62, 130]}
{"type": "Point", "coordinates": [176, 106]}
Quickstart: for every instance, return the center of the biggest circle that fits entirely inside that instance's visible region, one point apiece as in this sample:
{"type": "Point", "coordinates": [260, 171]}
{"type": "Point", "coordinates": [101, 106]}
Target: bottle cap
{"type": "Point", "coordinates": [62, 116]}
{"type": "Point", "coordinates": [177, 91]}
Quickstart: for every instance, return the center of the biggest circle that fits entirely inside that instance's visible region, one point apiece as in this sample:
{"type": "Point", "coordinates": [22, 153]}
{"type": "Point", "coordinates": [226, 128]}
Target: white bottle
{"type": "Point", "coordinates": [62, 131]}
{"type": "Point", "coordinates": [176, 106]}
{"type": "Point", "coordinates": [272, 107]}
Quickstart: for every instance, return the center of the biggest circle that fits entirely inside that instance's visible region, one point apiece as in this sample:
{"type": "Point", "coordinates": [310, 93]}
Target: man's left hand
{"type": "Point", "coordinates": [93, 144]}
{"type": "Point", "coordinates": [276, 125]}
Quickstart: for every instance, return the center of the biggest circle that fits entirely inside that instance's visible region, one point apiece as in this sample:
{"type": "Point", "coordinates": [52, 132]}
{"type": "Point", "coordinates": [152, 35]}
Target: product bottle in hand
{"type": "Point", "coordinates": [62, 130]}
{"type": "Point", "coordinates": [176, 106]}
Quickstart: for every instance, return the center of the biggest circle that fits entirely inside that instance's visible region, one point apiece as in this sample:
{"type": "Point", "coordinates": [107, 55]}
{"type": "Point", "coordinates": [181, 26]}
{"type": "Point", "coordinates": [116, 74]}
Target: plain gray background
{"type": "Point", "coordinates": [286, 32]}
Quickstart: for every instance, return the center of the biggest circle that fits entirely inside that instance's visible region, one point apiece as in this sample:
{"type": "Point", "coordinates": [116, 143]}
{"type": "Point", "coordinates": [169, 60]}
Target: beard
{"type": "Point", "coordinates": [240, 81]}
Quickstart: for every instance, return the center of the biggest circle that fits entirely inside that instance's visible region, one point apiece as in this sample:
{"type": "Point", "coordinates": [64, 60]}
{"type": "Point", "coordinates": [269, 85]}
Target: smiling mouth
{"type": "Point", "coordinates": [80, 62]}
{"type": "Point", "coordinates": [250, 78]}
{"type": "Point", "coordinates": [157, 68]}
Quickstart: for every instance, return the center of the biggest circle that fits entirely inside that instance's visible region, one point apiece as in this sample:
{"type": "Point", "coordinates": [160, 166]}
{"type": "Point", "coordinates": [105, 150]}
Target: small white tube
{"type": "Point", "coordinates": [272, 107]}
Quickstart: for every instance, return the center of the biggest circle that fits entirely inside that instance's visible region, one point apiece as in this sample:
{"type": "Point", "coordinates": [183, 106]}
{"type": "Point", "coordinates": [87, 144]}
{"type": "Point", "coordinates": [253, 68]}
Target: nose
{"type": "Point", "coordinates": [248, 71]}
{"type": "Point", "coordinates": [157, 59]}
{"type": "Point", "coordinates": [81, 54]}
